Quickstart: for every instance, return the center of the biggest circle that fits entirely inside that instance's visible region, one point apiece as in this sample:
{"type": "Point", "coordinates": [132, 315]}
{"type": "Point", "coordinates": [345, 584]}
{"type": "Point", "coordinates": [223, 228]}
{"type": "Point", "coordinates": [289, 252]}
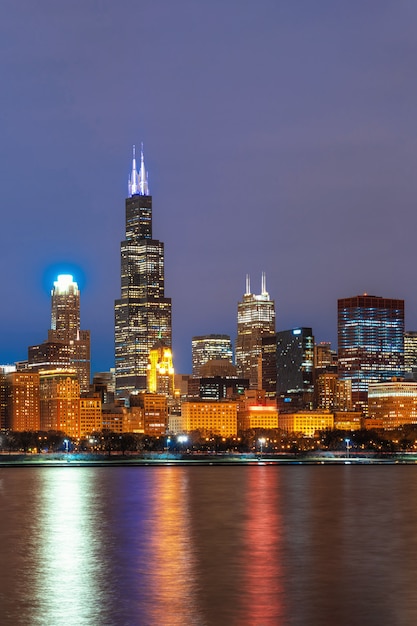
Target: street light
{"type": "Point", "coordinates": [348, 447]}
{"type": "Point", "coordinates": [261, 440]}
{"type": "Point", "coordinates": [182, 439]}
{"type": "Point", "coordinates": [168, 442]}
{"type": "Point", "coordinates": [66, 442]}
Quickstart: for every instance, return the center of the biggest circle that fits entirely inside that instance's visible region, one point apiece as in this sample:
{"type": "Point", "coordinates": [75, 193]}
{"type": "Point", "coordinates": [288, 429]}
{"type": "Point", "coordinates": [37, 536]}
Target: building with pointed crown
{"type": "Point", "coordinates": [255, 320]}
{"type": "Point", "coordinates": [67, 346]}
{"type": "Point", "coordinates": [142, 313]}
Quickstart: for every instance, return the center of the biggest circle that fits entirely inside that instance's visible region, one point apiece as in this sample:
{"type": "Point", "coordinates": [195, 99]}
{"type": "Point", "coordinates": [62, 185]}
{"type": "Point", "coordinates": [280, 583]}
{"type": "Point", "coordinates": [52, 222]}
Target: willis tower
{"type": "Point", "coordinates": [143, 313]}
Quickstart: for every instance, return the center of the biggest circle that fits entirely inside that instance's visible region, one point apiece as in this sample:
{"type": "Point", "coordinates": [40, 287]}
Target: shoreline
{"type": "Point", "coordinates": [187, 459]}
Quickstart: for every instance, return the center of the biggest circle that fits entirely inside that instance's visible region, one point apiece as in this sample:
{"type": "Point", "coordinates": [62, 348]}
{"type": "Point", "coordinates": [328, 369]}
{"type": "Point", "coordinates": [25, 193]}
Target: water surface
{"type": "Point", "coordinates": [208, 545]}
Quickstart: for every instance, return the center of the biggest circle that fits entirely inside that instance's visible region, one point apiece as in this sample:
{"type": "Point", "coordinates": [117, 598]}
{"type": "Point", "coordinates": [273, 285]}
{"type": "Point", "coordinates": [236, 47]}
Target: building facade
{"type": "Point", "coordinates": [67, 345]}
{"type": "Point", "coordinates": [210, 417]}
{"type": "Point", "coordinates": [143, 313]}
{"type": "Point", "coordinates": [255, 320]}
{"type": "Point", "coordinates": [208, 348]}
{"type": "Point", "coordinates": [370, 333]}
{"type": "Point", "coordinates": [295, 364]}
{"type": "Point", "coordinates": [393, 403]}
{"type": "Point", "coordinates": [410, 354]}
{"type": "Point", "coordinates": [23, 400]}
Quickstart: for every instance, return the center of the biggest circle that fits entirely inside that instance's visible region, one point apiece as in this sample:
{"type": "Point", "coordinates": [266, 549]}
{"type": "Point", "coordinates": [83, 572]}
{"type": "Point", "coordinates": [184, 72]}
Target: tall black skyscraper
{"type": "Point", "coordinates": [142, 314]}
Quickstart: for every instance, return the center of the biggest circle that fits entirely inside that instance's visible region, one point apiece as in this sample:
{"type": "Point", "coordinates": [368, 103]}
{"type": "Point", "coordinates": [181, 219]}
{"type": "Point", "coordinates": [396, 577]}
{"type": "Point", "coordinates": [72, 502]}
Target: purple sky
{"type": "Point", "coordinates": [280, 136]}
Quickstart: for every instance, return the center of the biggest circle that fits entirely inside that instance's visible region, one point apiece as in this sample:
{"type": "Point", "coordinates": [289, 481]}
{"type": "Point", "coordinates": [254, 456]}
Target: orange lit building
{"type": "Point", "coordinates": [306, 422]}
{"type": "Point", "coordinates": [393, 403]}
{"type": "Point", "coordinates": [214, 417]}
{"type": "Point", "coordinates": [348, 420]}
{"type": "Point", "coordinates": [332, 393]}
{"type": "Point", "coordinates": [60, 401]}
{"type": "Point", "coordinates": [23, 406]}
{"type": "Point", "coordinates": [155, 412]}
{"type": "Point", "coordinates": [90, 416]}
{"type": "Point", "coordinates": [256, 411]}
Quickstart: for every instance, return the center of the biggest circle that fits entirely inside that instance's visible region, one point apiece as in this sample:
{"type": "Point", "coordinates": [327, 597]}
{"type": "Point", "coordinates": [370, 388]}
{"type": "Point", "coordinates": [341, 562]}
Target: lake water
{"type": "Point", "coordinates": [209, 545]}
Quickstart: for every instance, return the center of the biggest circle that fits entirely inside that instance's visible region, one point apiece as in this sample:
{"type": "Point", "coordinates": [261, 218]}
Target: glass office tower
{"type": "Point", "coordinates": [370, 343]}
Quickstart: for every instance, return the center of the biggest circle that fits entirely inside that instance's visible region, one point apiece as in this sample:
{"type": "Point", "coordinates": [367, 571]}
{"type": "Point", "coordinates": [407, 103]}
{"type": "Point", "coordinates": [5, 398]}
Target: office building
{"type": "Point", "coordinates": [255, 320]}
{"type": "Point", "coordinates": [370, 343]}
{"type": "Point", "coordinates": [269, 366]}
{"type": "Point", "coordinates": [210, 417]}
{"type": "Point", "coordinates": [143, 313]}
{"type": "Point", "coordinates": [393, 403]}
{"type": "Point", "coordinates": [154, 410]}
{"type": "Point", "coordinates": [90, 416]}
{"type": "Point", "coordinates": [67, 345]}
{"type": "Point", "coordinates": [332, 393]}
{"type": "Point", "coordinates": [307, 423]}
{"type": "Point", "coordinates": [256, 411]}
{"type": "Point", "coordinates": [410, 354]}
{"type": "Point", "coordinates": [22, 401]}
{"type": "Point", "coordinates": [208, 348]}
{"type": "Point", "coordinates": [60, 401]}
{"type": "Point", "coordinates": [295, 361]}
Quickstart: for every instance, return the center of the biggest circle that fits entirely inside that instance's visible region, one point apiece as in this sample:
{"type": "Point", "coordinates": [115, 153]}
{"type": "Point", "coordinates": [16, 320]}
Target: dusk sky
{"type": "Point", "coordinates": [279, 136]}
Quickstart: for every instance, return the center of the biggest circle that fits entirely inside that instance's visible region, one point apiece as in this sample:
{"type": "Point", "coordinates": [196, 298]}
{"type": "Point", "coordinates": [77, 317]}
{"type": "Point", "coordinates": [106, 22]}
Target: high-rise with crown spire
{"type": "Point", "coordinates": [255, 319]}
{"type": "Point", "coordinates": [143, 313]}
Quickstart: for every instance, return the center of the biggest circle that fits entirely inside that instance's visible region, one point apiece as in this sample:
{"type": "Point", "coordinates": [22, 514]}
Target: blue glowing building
{"type": "Point", "coordinates": [370, 343]}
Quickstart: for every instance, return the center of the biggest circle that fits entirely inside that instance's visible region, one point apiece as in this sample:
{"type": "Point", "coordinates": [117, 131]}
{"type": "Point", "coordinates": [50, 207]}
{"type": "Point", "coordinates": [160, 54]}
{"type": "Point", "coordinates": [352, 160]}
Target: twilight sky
{"type": "Point", "coordinates": [279, 135]}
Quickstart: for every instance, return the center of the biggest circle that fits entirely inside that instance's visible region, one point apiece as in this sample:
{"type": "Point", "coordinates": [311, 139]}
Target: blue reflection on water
{"type": "Point", "coordinates": [244, 546]}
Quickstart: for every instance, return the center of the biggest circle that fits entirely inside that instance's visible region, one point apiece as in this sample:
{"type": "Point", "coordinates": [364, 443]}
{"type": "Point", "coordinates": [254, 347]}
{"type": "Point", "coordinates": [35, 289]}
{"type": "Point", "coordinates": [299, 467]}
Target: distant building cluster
{"type": "Point", "coordinates": [273, 378]}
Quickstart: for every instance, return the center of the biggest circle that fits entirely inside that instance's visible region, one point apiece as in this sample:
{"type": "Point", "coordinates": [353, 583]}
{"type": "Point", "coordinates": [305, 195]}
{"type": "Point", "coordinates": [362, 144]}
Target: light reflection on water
{"type": "Point", "coordinates": [247, 546]}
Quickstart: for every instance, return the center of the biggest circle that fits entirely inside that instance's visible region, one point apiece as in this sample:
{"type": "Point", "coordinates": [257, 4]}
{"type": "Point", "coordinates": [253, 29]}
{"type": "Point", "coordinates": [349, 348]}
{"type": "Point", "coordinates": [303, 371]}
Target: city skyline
{"type": "Point", "coordinates": [278, 138]}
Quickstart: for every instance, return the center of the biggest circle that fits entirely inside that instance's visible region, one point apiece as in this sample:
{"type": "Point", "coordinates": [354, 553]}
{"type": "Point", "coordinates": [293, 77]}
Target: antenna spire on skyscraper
{"type": "Point", "coordinates": [133, 184]}
{"type": "Point", "coordinates": [143, 175]}
{"type": "Point", "coordinates": [263, 284]}
{"type": "Point", "coordinates": [247, 285]}
{"type": "Point", "coordinates": [138, 181]}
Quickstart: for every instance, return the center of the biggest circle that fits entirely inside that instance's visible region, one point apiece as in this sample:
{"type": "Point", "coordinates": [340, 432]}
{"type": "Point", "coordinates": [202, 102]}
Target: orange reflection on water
{"type": "Point", "coordinates": [172, 572]}
{"type": "Point", "coordinates": [262, 579]}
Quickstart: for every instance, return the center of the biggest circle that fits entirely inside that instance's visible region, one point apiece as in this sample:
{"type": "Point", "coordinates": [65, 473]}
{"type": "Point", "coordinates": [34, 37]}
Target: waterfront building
{"type": "Point", "coordinates": [90, 416]}
{"type": "Point", "coordinates": [306, 423]}
{"type": "Point", "coordinates": [60, 401]}
{"type": "Point", "coordinates": [370, 343]}
{"type": "Point", "coordinates": [210, 417]}
{"type": "Point", "coordinates": [295, 363]}
{"type": "Point", "coordinates": [208, 348]}
{"type": "Point", "coordinates": [348, 420]}
{"type": "Point", "coordinates": [393, 403]}
{"type": "Point", "coordinates": [155, 412]}
{"type": "Point", "coordinates": [67, 345]}
{"type": "Point", "coordinates": [256, 411]}
{"type": "Point", "coordinates": [255, 320]}
{"type": "Point", "coordinates": [22, 401]}
{"type": "Point", "coordinates": [113, 417]}
{"type": "Point", "coordinates": [143, 313]}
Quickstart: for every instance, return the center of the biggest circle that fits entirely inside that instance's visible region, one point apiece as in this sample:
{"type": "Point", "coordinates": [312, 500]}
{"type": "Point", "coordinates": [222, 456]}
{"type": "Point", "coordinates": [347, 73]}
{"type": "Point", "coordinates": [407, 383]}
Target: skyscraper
{"type": "Point", "coordinates": [295, 360]}
{"type": "Point", "coordinates": [370, 333]}
{"type": "Point", "coordinates": [210, 347]}
{"type": "Point", "coordinates": [143, 313]}
{"type": "Point", "coordinates": [67, 344]}
{"type": "Point", "coordinates": [255, 319]}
